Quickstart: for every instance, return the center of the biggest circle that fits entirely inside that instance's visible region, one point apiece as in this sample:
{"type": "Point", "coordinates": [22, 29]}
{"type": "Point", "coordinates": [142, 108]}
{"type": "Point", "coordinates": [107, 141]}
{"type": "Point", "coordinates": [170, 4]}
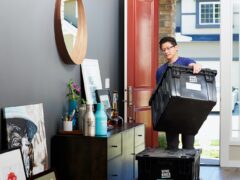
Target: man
{"type": "Point", "coordinates": [169, 49]}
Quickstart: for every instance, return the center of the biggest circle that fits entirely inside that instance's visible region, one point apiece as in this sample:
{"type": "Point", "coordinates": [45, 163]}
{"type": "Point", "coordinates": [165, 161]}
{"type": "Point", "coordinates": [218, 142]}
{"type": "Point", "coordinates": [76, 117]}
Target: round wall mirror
{"type": "Point", "coordinates": [71, 30]}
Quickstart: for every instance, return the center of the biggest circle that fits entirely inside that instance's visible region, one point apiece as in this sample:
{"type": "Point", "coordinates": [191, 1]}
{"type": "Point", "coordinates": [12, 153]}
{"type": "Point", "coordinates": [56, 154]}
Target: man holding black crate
{"type": "Point", "coordinates": [169, 48]}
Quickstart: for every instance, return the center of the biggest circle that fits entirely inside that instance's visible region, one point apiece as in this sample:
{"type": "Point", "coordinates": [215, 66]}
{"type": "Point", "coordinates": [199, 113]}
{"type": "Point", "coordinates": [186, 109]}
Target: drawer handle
{"type": "Point", "coordinates": [139, 134]}
{"type": "Point", "coordinates": [115, 146]}
{"type": "Point", "coordinates": [114, 175]}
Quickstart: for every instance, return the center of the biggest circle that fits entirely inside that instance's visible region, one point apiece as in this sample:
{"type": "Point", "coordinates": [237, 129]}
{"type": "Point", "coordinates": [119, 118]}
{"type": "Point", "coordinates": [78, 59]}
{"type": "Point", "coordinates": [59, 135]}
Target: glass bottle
{"type": "Point", "coordinates": [101, 120]}
{"type": "Point", "coordinates": [82, 111]}
{"type": "Point", "coordinates": [115, 118]}
{"type": "Point", "coordinates": [89, 121]}
{"type": "Point", "coordinates": [114, 104]}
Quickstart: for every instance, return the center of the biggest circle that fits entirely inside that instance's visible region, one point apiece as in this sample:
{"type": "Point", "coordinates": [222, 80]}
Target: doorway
{"type": "Point", "coordinates": [198, 38]}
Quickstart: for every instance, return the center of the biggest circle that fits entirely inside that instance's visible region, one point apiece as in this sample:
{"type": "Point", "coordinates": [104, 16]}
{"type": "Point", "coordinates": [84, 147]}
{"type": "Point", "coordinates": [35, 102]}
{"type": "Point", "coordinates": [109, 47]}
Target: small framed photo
{"type": "Point", "coordinates": [45, 175]}
{"type": "Point", "coordinates": [103, 96]}
{"type": "Point", "coordinates": [12, 166]}
{"type": "Point", "coordinates": [91, 78]}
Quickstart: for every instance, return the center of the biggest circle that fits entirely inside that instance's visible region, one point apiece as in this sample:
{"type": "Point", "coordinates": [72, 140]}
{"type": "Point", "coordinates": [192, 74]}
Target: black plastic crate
{"type": "Point", "coordinates": [182, 100]}
{"type": "Point", "coordinates": [159, 164]}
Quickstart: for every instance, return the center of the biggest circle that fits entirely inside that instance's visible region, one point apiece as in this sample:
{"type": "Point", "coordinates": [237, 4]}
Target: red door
{"type": "Point", "coordinates": [142, 54]}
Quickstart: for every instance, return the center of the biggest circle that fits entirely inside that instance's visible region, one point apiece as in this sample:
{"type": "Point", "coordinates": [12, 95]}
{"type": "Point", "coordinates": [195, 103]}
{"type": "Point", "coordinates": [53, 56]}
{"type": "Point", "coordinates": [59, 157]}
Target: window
{"type": "Point", "coordinates": [209, 13]}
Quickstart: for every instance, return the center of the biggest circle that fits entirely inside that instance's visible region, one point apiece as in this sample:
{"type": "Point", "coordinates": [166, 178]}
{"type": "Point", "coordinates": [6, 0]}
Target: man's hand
{"type": "Point", "coordinates": [196, 67]}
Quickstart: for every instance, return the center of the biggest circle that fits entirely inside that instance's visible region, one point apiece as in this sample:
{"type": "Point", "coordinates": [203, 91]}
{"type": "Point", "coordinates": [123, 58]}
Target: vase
{"type": "Point", "coordinates": [73, 106]}
{"type": "Point", "coordinates": [67, 126]}
{"type": "Point", "coordinates": [89, 121]}
{"type": "Point", "coordinates": [82, 111]}
{"type": "Point", "coordinates": [101, 120]}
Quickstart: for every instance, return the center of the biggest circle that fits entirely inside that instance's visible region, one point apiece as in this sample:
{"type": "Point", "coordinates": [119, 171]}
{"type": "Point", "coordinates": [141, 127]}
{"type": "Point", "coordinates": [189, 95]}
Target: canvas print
{"type": "Point", "coordinates": [26, 129]}
{"type": "Point", "coordinates": [91, 78]}
{"type": "Point", "coordinates": [11, 166]}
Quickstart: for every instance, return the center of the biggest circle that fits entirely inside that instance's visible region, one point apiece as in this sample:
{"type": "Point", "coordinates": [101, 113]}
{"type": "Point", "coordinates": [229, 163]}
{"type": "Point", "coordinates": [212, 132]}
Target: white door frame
{"type": "Point", "coordinates": [226, 56]}
{"type": "Point", "coordinates": [125, 57]}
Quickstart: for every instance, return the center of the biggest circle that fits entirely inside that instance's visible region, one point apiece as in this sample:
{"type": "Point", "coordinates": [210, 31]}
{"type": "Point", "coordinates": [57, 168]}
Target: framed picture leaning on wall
{"type": "Point", "coordinates": [11, 165]}
{"type": "Point", "coordinates": [91, 79]}
{"type": "Point", "coordinates": [25, 128]}
{"type": "Point", "coordinates": [103, 96]}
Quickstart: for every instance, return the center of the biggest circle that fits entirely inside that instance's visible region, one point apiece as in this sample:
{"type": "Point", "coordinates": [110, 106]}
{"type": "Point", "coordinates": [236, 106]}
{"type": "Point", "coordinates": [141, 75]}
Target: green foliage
{"type": "Point", "coordinates": [214, 142]}
{"type": "Point", "coordinates": [74, 92]}
{"type": "Point", "coordinates": [210, 153]}
{"type": "Point", "coordinates": [196, 143]}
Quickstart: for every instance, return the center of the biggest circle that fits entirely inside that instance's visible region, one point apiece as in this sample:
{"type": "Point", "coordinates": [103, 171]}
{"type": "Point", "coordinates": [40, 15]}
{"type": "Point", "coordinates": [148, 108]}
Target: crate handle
{"type": "Point", "coordinates": [176, 73]}
{"type": "Point", "coordinates": [209, 77]}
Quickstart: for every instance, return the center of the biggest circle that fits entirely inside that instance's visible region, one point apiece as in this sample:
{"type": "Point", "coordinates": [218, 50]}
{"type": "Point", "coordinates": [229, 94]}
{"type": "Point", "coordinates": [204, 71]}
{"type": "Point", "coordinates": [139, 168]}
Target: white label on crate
{"type": "Point", "coordinates": [193, 86]}
{"type": "Point", "coordinates": [193, 79]}
{"type": "Point", "coordinates": [165, 173]}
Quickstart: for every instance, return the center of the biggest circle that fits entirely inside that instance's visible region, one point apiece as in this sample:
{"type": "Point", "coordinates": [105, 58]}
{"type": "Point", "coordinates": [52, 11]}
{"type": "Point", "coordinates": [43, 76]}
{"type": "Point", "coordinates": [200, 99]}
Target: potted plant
{"type": "Point", "coordinates": [75, 100]}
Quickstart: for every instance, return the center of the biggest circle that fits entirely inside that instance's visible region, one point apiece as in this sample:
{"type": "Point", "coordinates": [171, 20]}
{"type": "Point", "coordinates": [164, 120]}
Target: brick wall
{"type": "Point", "coordinates": [167, 11]}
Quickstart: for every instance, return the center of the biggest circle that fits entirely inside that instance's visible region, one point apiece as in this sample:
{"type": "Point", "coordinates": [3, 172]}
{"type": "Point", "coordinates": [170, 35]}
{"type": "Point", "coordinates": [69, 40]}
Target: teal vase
{"type": "Point", "coordinates": [73, 105]}
{"type": "Point", "coordinates": [101, 120]}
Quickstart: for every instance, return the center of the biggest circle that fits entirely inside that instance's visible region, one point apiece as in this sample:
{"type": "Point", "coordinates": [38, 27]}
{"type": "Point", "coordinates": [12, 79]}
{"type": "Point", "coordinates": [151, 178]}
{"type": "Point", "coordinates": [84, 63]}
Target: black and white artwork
{"type": "Point", "coordinates": [25, 128]}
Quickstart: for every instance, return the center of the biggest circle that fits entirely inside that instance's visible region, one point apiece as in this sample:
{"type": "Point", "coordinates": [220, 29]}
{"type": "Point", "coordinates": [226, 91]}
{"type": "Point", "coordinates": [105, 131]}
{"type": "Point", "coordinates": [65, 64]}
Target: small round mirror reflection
{"type": "Point", "coordinates": [71, 30]}
{"type": "Point", "coordinates": [69, 19]}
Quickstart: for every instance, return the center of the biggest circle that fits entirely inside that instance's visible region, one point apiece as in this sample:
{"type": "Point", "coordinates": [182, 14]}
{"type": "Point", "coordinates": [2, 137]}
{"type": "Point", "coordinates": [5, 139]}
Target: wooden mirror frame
{"type": "Point", "coordinates": [80, 47]}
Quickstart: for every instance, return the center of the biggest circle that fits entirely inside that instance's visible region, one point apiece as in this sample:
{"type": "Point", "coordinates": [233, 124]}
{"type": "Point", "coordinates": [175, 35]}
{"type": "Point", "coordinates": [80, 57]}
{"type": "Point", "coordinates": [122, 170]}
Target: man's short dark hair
{"type": "Point", "coordinates": [167, 39]}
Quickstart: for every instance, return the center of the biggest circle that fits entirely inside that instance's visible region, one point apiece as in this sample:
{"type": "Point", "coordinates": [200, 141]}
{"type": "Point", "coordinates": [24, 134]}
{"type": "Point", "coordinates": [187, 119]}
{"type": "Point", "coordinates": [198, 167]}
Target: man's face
{"type": "Point", "coordinates": [15, 135]}
{"type": "Point", "coordinates": [169, 51]}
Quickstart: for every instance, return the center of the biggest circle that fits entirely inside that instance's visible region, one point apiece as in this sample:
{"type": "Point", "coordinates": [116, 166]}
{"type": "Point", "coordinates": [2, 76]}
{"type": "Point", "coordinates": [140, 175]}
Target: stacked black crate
{"type": "Point", "coordinates": [180, 103]}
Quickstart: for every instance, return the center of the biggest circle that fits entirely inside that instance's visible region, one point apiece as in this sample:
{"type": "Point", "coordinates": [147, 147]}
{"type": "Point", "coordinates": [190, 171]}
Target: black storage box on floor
{"type": "Point", "coordinates": [182, 164]}
{"type": "Point", "coordinates": [182, 100]}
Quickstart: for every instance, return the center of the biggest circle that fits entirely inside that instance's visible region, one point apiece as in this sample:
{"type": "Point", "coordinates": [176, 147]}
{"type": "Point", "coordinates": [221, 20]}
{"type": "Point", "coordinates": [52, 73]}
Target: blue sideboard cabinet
{"type": "Point", "coordinates": [111, 157]}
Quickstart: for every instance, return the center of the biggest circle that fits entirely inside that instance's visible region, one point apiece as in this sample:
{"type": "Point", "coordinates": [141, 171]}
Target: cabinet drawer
{"type": "Point", "coordinates": [114, 146]}
{"type": "Point", "coordinates": [128, 140]}
{"type": "Point", "coordinates": [139, 135]}
{"type": "Point", "coordinates": [115, 169]}
{"type": "Point", "coordinates": [139, 148]}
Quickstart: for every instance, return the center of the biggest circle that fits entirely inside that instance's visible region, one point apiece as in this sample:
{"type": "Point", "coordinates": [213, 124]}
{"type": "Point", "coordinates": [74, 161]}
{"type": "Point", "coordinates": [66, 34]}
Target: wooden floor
{"type": "Point", "coordinates": [218, 173]}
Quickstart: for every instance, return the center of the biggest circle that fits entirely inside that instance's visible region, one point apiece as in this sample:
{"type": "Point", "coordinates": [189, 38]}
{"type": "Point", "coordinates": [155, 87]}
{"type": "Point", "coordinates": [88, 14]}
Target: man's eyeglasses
{"type": "Point", "coordinates": [167, 49]}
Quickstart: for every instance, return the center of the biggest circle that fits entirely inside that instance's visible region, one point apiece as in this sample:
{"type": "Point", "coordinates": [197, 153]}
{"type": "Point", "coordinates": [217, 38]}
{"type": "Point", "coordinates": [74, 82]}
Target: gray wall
{"type": "Point", "coordinates": [105, 20]}
{"type": "Point", "coordinates": [31, 70]}
{"type": "Point", "coordinates": [102, 23]}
